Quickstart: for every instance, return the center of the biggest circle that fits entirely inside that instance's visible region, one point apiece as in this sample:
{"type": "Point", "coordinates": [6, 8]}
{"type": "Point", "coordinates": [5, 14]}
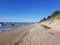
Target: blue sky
{"type": "Point", "coordinates": [26, 10]}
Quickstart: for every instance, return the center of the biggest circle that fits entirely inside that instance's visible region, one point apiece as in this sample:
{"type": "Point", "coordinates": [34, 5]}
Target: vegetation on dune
{"type": "Point", "coordinates": [48, 17]}
{"type": "Point", "coordinates": [43, 19]}
{"type": "Point", "coordinates": [54, 14]}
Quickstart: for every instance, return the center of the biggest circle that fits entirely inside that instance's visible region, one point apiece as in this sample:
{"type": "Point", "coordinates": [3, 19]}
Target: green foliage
{"type": "Point", "coordinates": [43, 19]}
{"type": "Point", "coordinates": [48, 17]}
{"type": "Point", "coordinates": [54, 14]}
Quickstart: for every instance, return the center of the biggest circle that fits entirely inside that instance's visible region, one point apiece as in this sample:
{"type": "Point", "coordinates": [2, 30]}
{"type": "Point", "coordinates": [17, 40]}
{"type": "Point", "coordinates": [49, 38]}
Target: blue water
{"type": "Point", "coordinates": [8, 25]}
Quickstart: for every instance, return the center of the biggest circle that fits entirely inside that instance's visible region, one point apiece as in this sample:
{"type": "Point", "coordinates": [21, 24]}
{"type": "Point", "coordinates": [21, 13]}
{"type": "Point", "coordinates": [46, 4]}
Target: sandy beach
{"type": "Point", "coordinates": [29, 22]}
{"type": "Point", "coordinates": [36, 34]}
{"type": "Point", "coordinates": [10, 36]}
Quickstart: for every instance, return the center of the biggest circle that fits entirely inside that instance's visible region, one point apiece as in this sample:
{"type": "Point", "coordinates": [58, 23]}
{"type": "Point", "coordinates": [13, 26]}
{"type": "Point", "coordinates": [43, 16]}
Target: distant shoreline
{"type": "Point", "coordinates": [7, 28]}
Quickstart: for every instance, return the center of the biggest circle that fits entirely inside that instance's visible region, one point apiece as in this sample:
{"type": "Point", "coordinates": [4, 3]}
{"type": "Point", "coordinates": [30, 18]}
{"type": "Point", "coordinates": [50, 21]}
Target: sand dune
{"type": "Point", "coordinates": [54, 23]}
{"type": "Point", "coordinates": [41, 36]}
{"type": "Point", "coordinates": [45, 33]}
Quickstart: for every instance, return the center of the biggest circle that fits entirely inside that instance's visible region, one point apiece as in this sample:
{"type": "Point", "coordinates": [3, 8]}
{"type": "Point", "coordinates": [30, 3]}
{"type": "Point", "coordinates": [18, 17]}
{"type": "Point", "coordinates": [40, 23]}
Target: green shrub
{"type": "Point", "coordinates": [43, 19]}
{"type": "Point", "coordinates": [56, 13]}
{"type": "Point", "coordinates": [48, 17]}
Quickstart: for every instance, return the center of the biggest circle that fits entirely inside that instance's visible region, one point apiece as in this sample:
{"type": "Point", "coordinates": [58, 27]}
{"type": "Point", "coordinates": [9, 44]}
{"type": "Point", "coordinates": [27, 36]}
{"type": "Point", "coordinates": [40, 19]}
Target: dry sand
{"type": "Point", "coordinates": [36, 34]}
{"type": "Point", "coordinates": [40, 35]}
{"type": "Point", "coordinates": [11, 37]}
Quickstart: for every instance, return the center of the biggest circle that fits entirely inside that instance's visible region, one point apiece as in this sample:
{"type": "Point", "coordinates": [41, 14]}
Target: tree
{"type": "Point", "coordinates": [48, 17]}
{"type": "Point", "coordinates": [43, 19]}
{"type": "Point", "coordinates": [56, 13]}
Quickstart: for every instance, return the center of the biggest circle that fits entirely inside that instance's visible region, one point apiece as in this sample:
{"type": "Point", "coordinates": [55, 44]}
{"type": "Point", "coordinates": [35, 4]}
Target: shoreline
{"type": "Point", "coordinates": [34, 34]}
{"type": "Point", "coordinates": [13, 28]}
{"type": "Point", "coordinates": [8, 36]}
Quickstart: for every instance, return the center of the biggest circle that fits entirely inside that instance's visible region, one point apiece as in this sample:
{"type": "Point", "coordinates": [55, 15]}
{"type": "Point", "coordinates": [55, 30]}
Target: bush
{"type": "Point", "coordinates": [48, 17]}
{"type": "Point", "coordinates": [43, 19]}
{"type": "Point", "coordinates": [56, 13]}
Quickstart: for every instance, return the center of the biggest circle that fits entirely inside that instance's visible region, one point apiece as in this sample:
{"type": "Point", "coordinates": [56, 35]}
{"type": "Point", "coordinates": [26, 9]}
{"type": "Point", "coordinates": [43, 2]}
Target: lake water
{"type": "Point", "coordinates": [9, 26]}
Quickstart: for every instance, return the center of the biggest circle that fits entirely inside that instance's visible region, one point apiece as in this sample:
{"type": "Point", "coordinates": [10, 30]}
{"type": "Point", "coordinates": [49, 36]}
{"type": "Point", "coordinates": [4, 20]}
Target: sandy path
{"type": "Point", "coordinates": [10, 37]}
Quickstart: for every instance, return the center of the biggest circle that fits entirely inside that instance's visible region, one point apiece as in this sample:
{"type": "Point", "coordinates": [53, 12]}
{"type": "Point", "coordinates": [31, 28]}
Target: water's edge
{"type": "Point", "coordinates": [11, 25]}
